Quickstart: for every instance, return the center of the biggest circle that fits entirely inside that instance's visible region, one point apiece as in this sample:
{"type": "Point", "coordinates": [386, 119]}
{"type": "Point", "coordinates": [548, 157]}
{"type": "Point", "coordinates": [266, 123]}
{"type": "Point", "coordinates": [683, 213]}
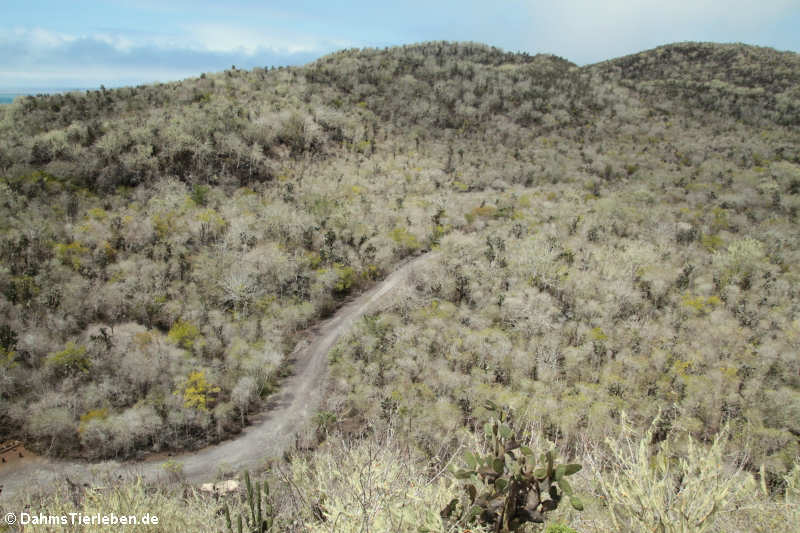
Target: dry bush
{"type": "Point", "coordinates": [659, 490]}
{"type": "Point", "coordinates": [177, 510]}
{"type": "Point", "coordinates": [374, 485]}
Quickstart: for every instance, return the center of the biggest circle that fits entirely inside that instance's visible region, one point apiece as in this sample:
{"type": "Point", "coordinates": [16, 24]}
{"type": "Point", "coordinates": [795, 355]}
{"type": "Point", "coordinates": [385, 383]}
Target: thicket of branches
{"type": "Point", "coordinates": [614, 238]}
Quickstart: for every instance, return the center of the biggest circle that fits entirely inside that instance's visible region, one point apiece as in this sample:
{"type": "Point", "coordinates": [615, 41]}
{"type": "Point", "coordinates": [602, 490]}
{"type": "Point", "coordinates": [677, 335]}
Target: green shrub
{"type": "Point", "coordinates": [7, 358]}
{"type": "Point", "coordinates": [72, 358]}
{"type": "Point", "coordinates": [700, 305]}
{"type": "Point", "coordinates": [97, 213]}
{"type": "Point", "coordinates": [712, 242]}
{"type": "Point", "coordinates": [405, 239]}
{"type": "Point", "coordinates": [200, 194]}
{"type": "Point", "coordinates": [346, 278]}
{"type": "Point", "coordinates": [184, 334]}
{"type": "Point", "coordinates": [173, 468]}
{"type": "Point", "coordinates": [94, 414]}
{"type": "Point", "coordinates": [559, 528]}
{"type": "Point", "coordinates": [21, 289]}
{"type": "Point", "coordinates": [71, 254]}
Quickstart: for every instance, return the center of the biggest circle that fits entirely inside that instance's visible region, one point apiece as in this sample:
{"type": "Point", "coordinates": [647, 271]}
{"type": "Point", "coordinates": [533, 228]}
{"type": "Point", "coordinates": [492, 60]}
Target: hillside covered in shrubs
{"type": "Point", "coordinates": [617, 244]}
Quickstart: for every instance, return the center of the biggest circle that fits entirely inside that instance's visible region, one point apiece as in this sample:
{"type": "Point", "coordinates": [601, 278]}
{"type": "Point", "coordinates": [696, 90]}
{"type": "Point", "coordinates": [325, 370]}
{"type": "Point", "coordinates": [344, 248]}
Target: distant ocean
{"type": "Point", "coordinates": [7, 96]}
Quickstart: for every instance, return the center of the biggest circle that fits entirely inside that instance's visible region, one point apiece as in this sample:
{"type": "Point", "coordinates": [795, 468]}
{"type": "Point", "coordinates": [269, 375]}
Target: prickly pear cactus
{"type": "Point", "coordinates": [508, 487]}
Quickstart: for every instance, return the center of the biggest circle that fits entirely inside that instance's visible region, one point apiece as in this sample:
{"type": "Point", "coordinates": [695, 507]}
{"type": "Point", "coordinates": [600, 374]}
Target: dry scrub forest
{"type": "Point", "coordinates": [617, 265]}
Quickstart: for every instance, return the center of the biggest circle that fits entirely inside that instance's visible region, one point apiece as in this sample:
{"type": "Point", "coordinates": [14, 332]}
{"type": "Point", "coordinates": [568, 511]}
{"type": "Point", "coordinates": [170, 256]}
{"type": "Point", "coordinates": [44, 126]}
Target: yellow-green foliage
{"type": "Point", "coordinates": [94, 414]}
{"type": "Point", "coordinates": [438, 232]}
{"type": "Point", "coordinates": [42, 179]}
{"type": "Point", "coordinates": [109, 254]}
{"type": "Point", "coordinates": [97, 213]}
{"type": "Point", "coordinates": [681, 368]}
{"type": "Point", "coordinates": [173, 468]}
{"type": "Point", "coordinates": [405, 239]}
{"type": "Point", "coordinates": [211, 223]}
{"type": "Point", "coordinates": [371, 272]}
{"type": "Point", "coordinates": [196, 391]}
{"type": "Point", "coordinates": [720, 221]}
{"type": "Point", "coordinates": [7, 358]}
{"type": "Point", "coordinates": [699, 304]}
{"type": "Point", "coordinates": [559, 528]}
{"type": "Point", "coordinates": [21, 289]}
{"type": "Point", "coordinates": [665, 491]}
{"type": "Point", "coordinates": [712, 242]}
{"type": "Point", "coordinates": [184, 334]}
{"type": "Point", "coordinates": [598, 334]}
{"type": "Point", "coordinates": [71, 254]}
{"type": "Point", "coordinates": [199, 194]}
{"type": "Point", "coordinates": [72, 357]}
{"type": "Point", "coordinates": [164, 223]}
{"type": "Point", "coordinates": [346, 277]}
{"type": "Point", "coordinates": [362, 147]}
{"type": "Point", "coordinates": [314, 259]}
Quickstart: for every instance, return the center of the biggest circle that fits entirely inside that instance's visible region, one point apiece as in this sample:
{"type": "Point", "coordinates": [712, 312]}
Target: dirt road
{"type": "Point", "coordinates": [274, 430]}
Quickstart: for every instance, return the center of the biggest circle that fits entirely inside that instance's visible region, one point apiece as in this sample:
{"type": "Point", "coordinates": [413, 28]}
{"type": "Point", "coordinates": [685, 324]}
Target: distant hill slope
{"type": "Point", "coordinates": [755, 84]}
{"type": "Point", "coordinates": [425, 89]}
{"type": "Point", "coordinates": [737, 64]}
{"type": "Point", "coordinates": [431, 88]}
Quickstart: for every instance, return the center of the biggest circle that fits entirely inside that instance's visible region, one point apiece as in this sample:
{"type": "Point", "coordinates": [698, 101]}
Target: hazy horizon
{"type": "Point", "coordinates": [47, 44]}
{"type": "Point", "coordinates": [12, 91]}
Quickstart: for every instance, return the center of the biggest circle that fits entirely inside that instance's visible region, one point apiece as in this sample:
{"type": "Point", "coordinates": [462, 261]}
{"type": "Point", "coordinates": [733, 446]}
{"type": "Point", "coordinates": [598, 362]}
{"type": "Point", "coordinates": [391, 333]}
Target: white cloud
{"type": "Point", "coordinates": [609, 12]}
{"type": "Point", "coordinates": [42, 40]}
{"type": "Point", "coordinates": [119, 42]}
{"type": "Point", "coordinates": [201, 37]}
{"type": "Point", "coordinates": [35, 57]}
{"type": "Point", "coordinates": [225, 38]}
{"type": "Point", "coordinates": [73, 76]}
{"type": "Point", "coordinates": [593, 30]}
{"type": "Point", "coordinates": [36, 38]}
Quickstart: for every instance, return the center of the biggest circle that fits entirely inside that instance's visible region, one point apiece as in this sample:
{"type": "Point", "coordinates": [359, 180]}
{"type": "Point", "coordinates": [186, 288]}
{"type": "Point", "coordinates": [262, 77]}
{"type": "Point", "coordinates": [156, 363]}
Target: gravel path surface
{"type": "Point", "coordinates": [272, 432]}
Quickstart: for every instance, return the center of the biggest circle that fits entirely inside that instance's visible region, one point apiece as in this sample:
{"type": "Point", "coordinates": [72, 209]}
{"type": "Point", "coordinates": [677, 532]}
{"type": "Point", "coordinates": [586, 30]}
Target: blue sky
{"type": "Point", "coordinates": [85, 43]}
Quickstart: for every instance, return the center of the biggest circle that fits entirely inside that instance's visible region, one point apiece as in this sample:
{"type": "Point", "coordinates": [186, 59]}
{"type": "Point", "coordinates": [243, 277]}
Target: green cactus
{"type": "Point", "coordinates": [260, 521]}
{"type": "Point", "coordinates": [508, 487]}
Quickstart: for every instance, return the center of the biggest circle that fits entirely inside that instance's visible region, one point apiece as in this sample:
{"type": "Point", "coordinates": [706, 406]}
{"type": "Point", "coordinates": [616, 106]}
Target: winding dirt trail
{"type": "Point", "coordinates": [274, 430]}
